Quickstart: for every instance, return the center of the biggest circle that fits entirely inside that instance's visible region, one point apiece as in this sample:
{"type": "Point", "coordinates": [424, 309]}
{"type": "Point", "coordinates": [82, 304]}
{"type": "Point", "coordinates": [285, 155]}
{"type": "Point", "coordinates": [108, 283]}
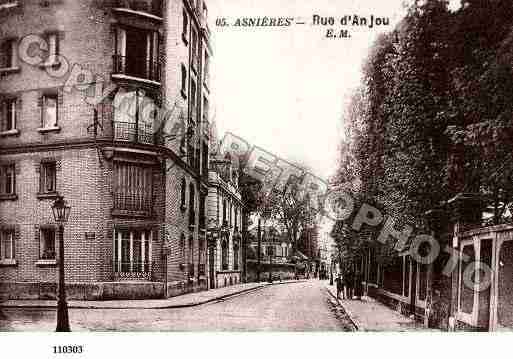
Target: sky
{"type": "Point", "coordinates": [284, 89]}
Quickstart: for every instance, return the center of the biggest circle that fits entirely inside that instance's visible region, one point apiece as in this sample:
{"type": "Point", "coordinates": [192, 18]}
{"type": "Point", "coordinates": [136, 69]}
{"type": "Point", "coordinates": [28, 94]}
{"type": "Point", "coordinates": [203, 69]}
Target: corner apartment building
{"type": "Point", "coordinates": [224, 216]}
{"type": "Point", "coordinates": [136, 182]}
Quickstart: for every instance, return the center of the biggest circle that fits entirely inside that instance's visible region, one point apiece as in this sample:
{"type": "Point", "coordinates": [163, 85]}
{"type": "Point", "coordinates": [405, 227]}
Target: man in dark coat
{"type": "Point", "coordinates": [349, 282]}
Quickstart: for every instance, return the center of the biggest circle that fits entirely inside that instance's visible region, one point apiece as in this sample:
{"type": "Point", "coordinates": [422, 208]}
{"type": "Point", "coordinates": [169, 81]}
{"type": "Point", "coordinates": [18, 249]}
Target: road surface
{"type": "Point", "coordinates": [302, 306]}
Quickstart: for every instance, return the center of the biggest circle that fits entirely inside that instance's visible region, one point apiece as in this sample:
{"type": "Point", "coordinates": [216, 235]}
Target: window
{"type": "Point", "coordinates": [7, 180]}
{"type": "Point", "coordinates": [224, 255]}
{"type": "Point", "coordinates": [193, 100]}
{"type": "Point", "coordinates": [192, 194]}
{"type": "Point", "coordinates": [183, 194]}
{"type": "Point", "coordinates": [47, 243]}
{"type": "Point", "coordinates": [224, 213]}
{"type": "Point", "coordinates": [8, 59]}
{"type": "Point", "coordinates": [137, 53]}
{"type": "Point", "coordinates": [47, 178]}
{"type": "Point", "coordinates": [6, 244]}
{"type": "Point", "coordinates": [185, 27]}
{"type": "Point", "coordinates": [235, 257]}
{"type": "Point", "coordinates": [236, 214]}
{"type": "Point", "coordinates": [8, 115]}
{"type": "Point", "coordinates": [134, 116]}
{"type": "Point", "coordinates": [184, 81]}
{"type": "Point", "coordinates": [132, 253]}
{"type": "Point", "coordinates": [49, 111]}
{"type": "Point", "coordinates": [133, 187]}
{"type": "Point", "coordinates": [191, 257]}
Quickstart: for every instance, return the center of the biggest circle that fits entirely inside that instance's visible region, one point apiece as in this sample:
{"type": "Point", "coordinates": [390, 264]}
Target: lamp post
{"type": "Point", "coordinates": [61, 212]}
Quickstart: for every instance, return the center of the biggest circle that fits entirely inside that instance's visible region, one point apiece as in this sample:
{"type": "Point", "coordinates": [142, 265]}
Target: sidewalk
{"type": "Point", "coordinates": [181, 301]}
{"type": "Point", "coordinates": [370, 315]}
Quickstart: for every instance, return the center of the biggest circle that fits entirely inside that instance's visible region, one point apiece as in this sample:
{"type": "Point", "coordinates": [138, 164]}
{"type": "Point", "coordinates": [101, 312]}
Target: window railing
{"type": "Point", "coordinates": [140, 201]}
{"type": "Point", "coordinates": [134, 132]}
{"type": "Point", "coordinates": [133, 270]}
{"type": "Point", "coordinates": [137, 66]}
{"type": "Point", "coordinates": [153, 7]}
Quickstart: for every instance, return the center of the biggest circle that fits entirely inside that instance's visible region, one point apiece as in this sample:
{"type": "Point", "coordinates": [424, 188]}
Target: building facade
{"type": "Point", "coordinates": [224, 217]}
{"type": "Point", "coordinates": [106, 104]}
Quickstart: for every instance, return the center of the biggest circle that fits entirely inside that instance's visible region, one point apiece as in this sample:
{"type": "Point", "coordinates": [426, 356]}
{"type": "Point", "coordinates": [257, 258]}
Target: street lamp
{"type": "Point", "coordinates": [61, 212]}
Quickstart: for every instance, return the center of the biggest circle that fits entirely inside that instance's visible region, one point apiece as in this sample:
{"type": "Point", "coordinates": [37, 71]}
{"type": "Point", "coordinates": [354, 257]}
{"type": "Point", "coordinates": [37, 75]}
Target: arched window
{"type": "Point", "coordinates": [183, 190]}
{"type": "Point", "coordinates": [224, 255]}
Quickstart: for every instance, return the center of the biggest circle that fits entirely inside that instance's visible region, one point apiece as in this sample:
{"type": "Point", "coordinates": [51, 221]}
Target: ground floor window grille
{"type": "Point", "coordinates": [132, 254]}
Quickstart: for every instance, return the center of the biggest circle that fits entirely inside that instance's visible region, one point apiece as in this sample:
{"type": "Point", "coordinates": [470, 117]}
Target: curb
{"type": "Point", "coordinates": [172, 306]}
{"type": "Point", "coordinates": [350, 315]}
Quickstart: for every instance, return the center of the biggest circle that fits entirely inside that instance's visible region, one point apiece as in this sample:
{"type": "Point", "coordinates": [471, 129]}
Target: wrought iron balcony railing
{"type": "Point", "coordinates": [134, 132]}
{"type": "Point", "coordinates": [139, 200]}
{"type": "Point", "coordinates": [153, 7]}
{"type": "Point", "coordinates": [133, 270]}
{"type": "Point", "coordinates": [137, 66]}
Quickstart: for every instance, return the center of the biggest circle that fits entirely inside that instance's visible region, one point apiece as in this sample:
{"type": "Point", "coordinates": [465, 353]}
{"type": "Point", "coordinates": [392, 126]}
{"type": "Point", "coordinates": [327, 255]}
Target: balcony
{"type": "Point", "coordinates": [151, 7]}
{"type": "Point", "coordinates": [133, 271]}
{"type": "Point", "coordinates": [137, 68]}
{"type": "Point", "coordinates": [134, 132]}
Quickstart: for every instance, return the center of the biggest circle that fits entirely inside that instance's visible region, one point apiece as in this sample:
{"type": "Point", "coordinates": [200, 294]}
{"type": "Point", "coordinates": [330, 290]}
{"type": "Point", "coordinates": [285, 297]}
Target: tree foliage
{"type": "Point", "coordinates": [433, 114]}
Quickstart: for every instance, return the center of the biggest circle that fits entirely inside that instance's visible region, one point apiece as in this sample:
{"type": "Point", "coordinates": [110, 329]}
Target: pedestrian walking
{"type": "Point", "coordinates": [349, 282]}
{"type": "Point", "coordinates": [340, 285]}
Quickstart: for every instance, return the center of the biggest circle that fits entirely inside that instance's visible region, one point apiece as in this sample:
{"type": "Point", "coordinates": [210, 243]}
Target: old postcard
{"type": "Point", "coordinates": [255, 166]}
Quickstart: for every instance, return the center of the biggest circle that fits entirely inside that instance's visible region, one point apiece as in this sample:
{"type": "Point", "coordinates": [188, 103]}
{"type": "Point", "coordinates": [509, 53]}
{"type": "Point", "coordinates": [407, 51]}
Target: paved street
{"type": "Point", "coordinates": [304, 306]}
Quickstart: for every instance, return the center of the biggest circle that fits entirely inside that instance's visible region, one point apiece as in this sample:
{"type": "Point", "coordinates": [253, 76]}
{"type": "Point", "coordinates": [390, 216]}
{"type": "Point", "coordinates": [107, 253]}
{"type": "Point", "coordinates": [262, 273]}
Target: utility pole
{"type": "Point", "coordinates": [259, 248]}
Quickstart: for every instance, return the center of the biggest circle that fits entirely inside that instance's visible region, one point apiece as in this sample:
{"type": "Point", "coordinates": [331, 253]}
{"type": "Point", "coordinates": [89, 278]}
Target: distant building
{"type": "Point", "coordinates": [224, 218]}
